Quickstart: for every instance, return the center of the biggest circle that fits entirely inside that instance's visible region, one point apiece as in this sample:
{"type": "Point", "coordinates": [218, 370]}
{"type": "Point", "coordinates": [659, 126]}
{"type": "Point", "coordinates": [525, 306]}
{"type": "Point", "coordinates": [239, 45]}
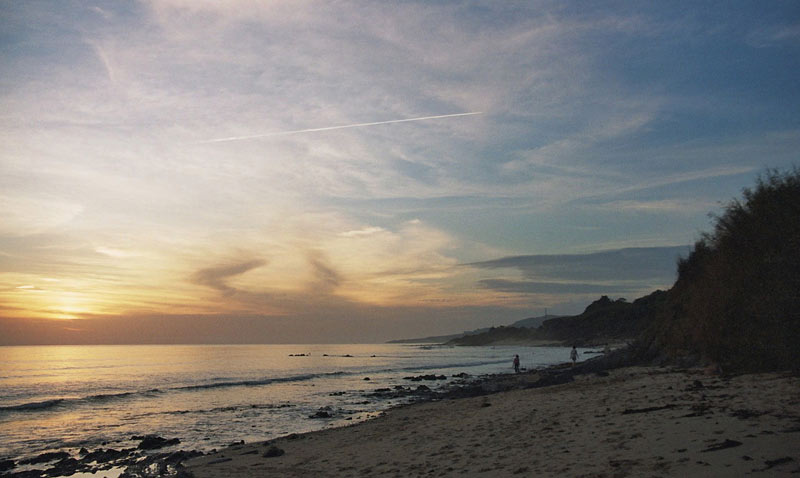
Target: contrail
{"type": "Point", "coordinates": [329, 128]}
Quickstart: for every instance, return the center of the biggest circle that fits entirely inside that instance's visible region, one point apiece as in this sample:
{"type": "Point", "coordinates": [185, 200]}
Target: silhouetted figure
{"type": "Point", "coordinates": [516, 363]}
{"type": "Point", "coordinates": [573, 355]}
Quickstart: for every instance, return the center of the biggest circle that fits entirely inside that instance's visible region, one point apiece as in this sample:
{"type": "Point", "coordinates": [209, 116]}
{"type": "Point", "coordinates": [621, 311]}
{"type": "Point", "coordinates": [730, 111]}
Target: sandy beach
{"type": "Point", "coordinates": [636, 421]}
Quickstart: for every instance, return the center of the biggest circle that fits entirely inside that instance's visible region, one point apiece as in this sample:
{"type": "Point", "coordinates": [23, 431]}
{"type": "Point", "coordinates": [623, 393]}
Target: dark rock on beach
{"type": "Point", "coordinates": [728, 443]}
{"type": "Point", "coordinates": [65, 467]}
{"type": "Point", "coordinates": [153, 442]}
{"type": "Point", "coordinates": [778, 461]}
{"type": "Point", "coordinates": [27, 474]}
{"type": "Point", "coordinates": [136, 463]}
{"type": "Point", "coordinates": [6, 465]}
{"type": "Point", "coordinates": [181, 456]}
{"type": "Point", "coordinates": [419, 378]}
{"type": "Point", "coordinates": [161, 465]}
{"type": "Point", "coordinates": [104, 456]}
{"type": "Point", "coordinates": [384, 393]}
{"type": "Point", "coordinates": [45, 458]}
{"type": "Point", "coordinates": [272, 452]}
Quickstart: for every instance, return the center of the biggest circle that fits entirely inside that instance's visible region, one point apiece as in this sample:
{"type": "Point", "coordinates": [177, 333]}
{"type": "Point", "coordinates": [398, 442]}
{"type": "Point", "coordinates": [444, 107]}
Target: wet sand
{"type": "Point", "coordinates": [637, 421]}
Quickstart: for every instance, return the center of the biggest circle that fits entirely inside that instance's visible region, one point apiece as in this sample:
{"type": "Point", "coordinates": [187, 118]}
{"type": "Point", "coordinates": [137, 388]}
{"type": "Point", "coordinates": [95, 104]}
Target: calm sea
{"type": "Point", "coordinates": [208, 396]}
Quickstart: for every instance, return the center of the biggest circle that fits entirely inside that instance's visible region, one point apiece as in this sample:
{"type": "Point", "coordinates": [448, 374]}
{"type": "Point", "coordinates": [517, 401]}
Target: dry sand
{"type": "Point", "coordinates": [638, 422]}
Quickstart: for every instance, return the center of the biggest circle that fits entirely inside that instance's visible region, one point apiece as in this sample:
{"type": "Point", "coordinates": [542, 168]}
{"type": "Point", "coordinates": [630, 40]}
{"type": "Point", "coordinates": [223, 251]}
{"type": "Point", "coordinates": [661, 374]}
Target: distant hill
{"type": "Point", "coordinates": [606, 320]}
{"type": "Point", "coordinates": [436, 339]}
{"type": "Point", "coordinates": [530, 322]}
{"type": "Point", "coordinates": [533, 322]}
{"type": "Point", "coordinates": [500, 336]}
{"type": "Point", "coordinates": [602, 322]}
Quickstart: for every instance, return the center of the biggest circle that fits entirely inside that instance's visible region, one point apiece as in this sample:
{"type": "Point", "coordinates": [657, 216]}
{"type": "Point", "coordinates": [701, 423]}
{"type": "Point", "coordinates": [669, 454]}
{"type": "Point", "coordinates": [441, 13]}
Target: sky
{"type": "Point", "coordinates": [197, 171]}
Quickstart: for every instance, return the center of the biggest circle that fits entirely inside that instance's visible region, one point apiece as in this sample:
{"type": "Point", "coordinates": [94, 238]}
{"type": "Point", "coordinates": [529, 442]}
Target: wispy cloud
{"type": "Point", "coordinates": [662, 206]}
{"type": "Point", "coordinates": [103, 57]}
{"type": "Point", "coordinates": [216, 277]}
{"type": "Point", "coordinates": [326, 278]}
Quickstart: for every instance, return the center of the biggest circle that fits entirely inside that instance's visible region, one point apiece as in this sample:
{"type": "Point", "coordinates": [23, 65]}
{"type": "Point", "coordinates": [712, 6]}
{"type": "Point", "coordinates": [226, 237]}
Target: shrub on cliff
{"type": "Point", "coordinates": [737, 298]}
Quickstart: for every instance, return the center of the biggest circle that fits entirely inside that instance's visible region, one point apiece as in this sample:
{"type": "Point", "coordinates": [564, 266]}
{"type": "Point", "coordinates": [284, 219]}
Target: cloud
{"type": "Point", "coordinates": [773, 35]}
{"type": "Point", "coordinates": [557, 288]}
{"type": "Point", "coordinates": [104, 58]}
{"type": "Point", "coordinates": [113, 252]}
{"type": "Point", "coordinates": [565, 281]}
{"type": "Point", "coordinates": [656, 264]}
{"type": "Point", "coordinates": [26, 215]}
{"type": "Point", "coordinates": [326, 279]}
{"type": "Point", "coordinates": [216, 277]}
{"type": "Point", "coordinates": [366, 231]}
{"type": "Point", "coordinates": [662, 206]}
{"type": "Point", "coordinates": [683, 177]}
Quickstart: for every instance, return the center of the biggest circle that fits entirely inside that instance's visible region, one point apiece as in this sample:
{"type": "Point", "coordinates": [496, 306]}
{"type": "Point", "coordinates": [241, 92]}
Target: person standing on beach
{"type": "Point", "coordinates": [516, 363]}
{"type": "Point", "coordinates": [573, 355]}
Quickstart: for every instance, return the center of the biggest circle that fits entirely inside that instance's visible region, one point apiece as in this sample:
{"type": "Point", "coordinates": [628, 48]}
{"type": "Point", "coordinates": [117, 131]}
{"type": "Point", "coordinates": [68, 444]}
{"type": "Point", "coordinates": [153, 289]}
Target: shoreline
{"type": "Point", "coordinates": [531, 423]}
{"type": "Point", "coordinates": [139, 456]}
{"type": "Point", "coordinates": [135, 456]}
{"type": "Point", "coordinates": [632, 421]}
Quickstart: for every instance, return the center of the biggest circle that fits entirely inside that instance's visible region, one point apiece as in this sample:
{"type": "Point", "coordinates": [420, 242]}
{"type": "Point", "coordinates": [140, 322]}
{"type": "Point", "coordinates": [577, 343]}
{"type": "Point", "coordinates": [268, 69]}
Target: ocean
{"type": "Point", "coordinates": [208, 396]}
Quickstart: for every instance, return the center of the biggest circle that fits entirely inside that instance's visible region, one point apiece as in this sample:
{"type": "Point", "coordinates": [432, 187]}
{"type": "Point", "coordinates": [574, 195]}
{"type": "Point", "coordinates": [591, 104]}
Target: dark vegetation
{"type": "Point", "coordinates": [737, 298]}
{"type": "Point", "coordinates": [736, 302]}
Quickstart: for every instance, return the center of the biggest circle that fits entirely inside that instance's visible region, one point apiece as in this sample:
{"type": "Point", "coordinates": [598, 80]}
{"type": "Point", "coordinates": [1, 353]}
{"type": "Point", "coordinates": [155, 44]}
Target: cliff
{"type": "Point", "coordinates": [735, 304]}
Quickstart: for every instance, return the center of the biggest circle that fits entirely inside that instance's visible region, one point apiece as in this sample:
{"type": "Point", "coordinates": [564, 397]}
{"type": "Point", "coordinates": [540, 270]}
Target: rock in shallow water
{"type": "Point", "coordinates": [425, 377]}
{"type": "Point", "coordinates": [46, 457]}
{"type": "Point", "coordinates": [152, 442]}
{"type": "Point", "coordinates": [105, 456]}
